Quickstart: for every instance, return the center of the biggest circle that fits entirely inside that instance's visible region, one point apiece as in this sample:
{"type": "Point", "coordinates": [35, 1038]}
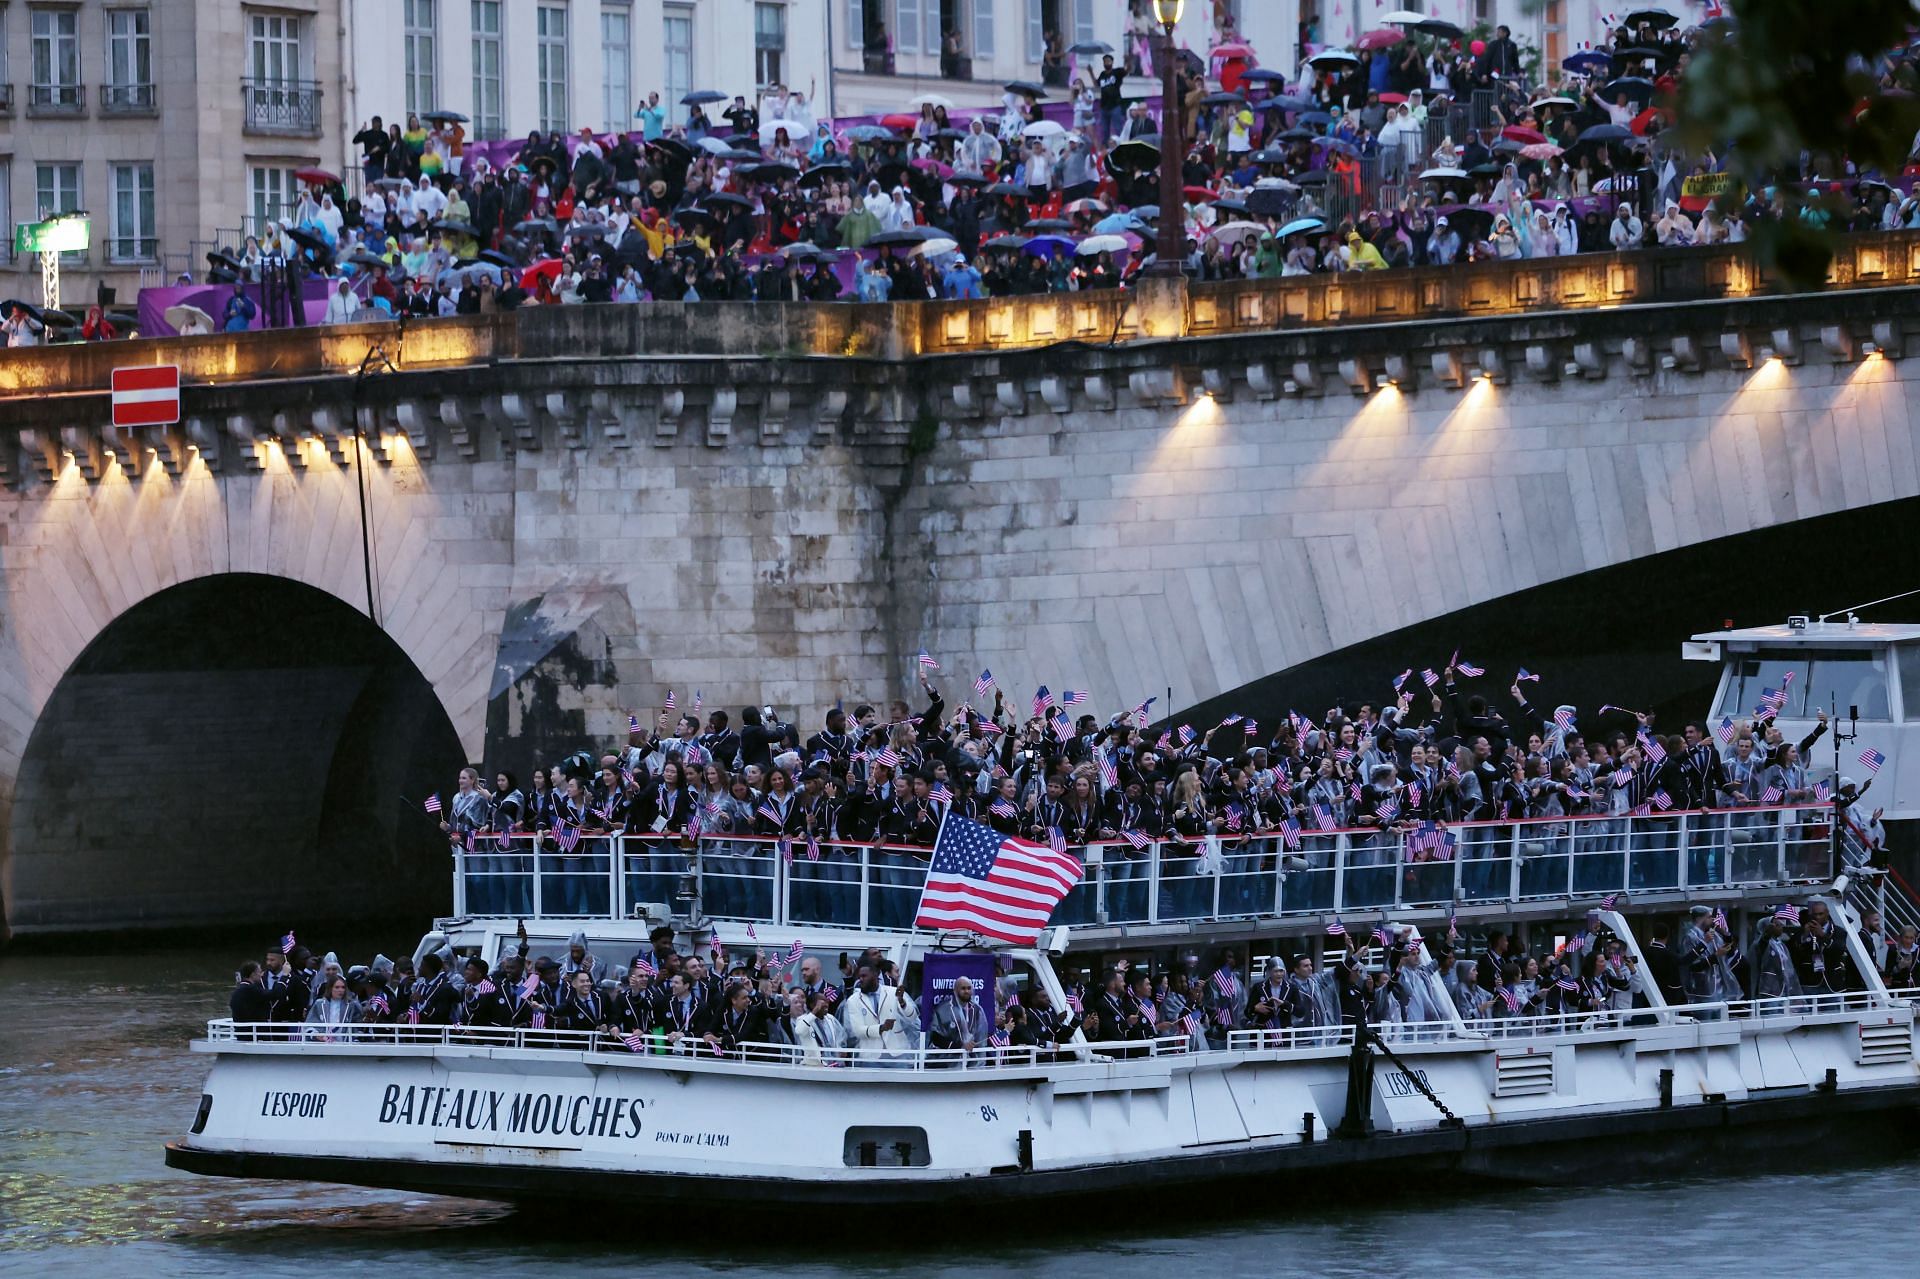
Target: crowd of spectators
{"type": "Point", "coordinates": [1420, 151]}
{"type": "Point", "coordinates": [663, 998]}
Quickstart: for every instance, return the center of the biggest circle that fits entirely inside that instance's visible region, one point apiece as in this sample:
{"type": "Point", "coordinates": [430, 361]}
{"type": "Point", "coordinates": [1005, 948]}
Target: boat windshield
{"type": "Point", "coordinates": [1846, 677]}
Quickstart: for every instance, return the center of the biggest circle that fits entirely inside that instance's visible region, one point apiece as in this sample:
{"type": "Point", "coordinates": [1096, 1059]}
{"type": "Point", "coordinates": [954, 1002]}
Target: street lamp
{"type": "Point", "coordinates": [1170, 245]}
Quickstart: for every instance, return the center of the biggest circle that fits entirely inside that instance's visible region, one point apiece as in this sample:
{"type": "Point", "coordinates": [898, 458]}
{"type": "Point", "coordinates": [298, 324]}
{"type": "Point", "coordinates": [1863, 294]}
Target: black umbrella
{"type": "Point", "coordinates": [1604, 133]}
{"type": "Point", "coordinates": [728, 198]}
{"type": "Point", "coordinates": [906, 235]}
{"type": "Point", "coordinates": [1639, 88]}
{"type": "Point", "coordinates": [690, 215]}
{"type": "Point", "coordinates": [360, 257]}
{"type": "Point", "coordinates": [748, 140]}
{"type": "Point", "coordinates": [1471, 223]}
{"type": "Point", "coordinates": [535, 226]}
{"type": "Point", "coordinates": [1090, 48]}
{"type": "Point", "coordinates": [1232, 206]}
{"type": "Point", "coordinates": [1008, 188]}
{"type": "Point", "coordinates": [738, 155]}
{"type": "Point", "coordinates": [773, 171]}
{"type": "Point", "coordinates": [700, 97]}
{"type": "Point", "coordinates": [123, 319]}
{"type": "Point", "coordinates": [225, 258]}
{"type": "Point", "coordinates": [6, 308]}
{"type": "Point", "coordinates": [498, 258]}
{"type": "Point", "coordinates": [1439, 27]}
{"type": "Point", "coordinates": [55, 319]}
{"type": "Point", "coordinates": [1640, 52]}
{"type": "Point", "coordinates": [1027, 87]}
{"type": "Point", "coordinates": [587, 231]}
{"type": "Point", "coordinates": [672, 146]}
{"type": "Point", "coordinates": [1269, 202]}
{"type": "Point", "coordinates": [1311, 178]}
{"type": "Point", "coordinates": [445, 117]}
{"type": "Point", "coordinates": [1048, 224]}
{"type": "Point", "coordinates": [967, 180]}
{"type": "Point", "coordinates": [951, 135]}
{"type": "Point", "coordinates": [1658, 19]}
{"type": "Point", "coordinates": [1223, 100]}
{"type": "Point", "coordinates": [820, 173]}
{"type": "Point", "coordinates": [1136, 153]}
{"type": "Point", "coordinates": [455, 228]}
{"type": "Point", "coordinates": [308, 240]}
{"type": "Point", "coordinates": [1007, 242]}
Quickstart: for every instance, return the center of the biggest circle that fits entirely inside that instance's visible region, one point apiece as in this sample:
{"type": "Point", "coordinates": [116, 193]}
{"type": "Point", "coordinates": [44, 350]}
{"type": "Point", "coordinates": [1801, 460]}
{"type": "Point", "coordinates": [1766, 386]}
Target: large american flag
{"type": "Point", "coordinates": [993, 884]}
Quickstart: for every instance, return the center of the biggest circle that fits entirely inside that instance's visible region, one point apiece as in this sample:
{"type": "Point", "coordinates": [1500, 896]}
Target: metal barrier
{"type": "Point", "coordinates": [876, 887]}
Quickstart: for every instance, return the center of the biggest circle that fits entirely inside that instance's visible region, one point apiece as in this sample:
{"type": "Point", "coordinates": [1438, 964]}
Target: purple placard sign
{"type": "Point", "coordinates": [938, 972]}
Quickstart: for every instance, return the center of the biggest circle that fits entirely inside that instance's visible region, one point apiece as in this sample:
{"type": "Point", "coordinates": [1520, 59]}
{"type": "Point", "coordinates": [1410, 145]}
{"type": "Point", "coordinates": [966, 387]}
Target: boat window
{"type": "Point", "coordinates": [1848, 677]}
{"type": "Point", "coordinates": [1910, 679]}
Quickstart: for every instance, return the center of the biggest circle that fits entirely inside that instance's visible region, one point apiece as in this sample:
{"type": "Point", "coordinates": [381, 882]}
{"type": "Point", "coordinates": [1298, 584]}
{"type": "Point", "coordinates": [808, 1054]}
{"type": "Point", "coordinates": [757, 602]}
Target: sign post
{"type": "Point", "coordinates": [61, 233]}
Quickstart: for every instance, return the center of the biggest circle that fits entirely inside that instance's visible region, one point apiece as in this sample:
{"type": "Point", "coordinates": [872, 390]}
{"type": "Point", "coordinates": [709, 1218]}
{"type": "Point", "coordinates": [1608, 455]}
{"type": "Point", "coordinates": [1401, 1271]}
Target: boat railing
{"type": "Point", "coordinates": [1745, 1012]}
{"type": "Point", "coordinates": [1257, 874]}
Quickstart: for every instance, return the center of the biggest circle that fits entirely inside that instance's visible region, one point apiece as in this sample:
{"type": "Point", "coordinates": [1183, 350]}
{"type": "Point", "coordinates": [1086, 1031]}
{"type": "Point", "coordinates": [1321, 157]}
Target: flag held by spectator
{"type": "Point", "coordinates": [1073, 697]}
{"type": "Point", "coordinates": [1470, 670]}
{"type": "Point", "coordinates": [633, 723]}
{"type": "Point", "coordinates": [993, 884]}
{"type": "Point", "coordinates": [1788, 913]}
{"type": "Point", "coordinates": [1871, 759]}
{"type": "Point", "coordinates": [926, 662]}
{"type": "Point", "coordinates": [1432, 680]}
{"type": "Point", "coordinates": [1526, 675]}
{"type": "Point", "coordinates": [1725, 731]}
{"type": "Point", "coordinates": [286, 943]}
{"type": "Point", "coordinates": [433, 803]}
{"type": "Point", "coordinates": [983, 684]}
{"type": "Point", "coordinates": [1336, 928]}
{"type": "Point", "coordinates": [671, 704]}
{"type": "Point", "coordinates": [1042, 701]}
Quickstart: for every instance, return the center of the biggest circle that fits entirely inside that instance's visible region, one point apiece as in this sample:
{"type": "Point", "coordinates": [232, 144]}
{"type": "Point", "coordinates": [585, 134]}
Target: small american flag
{"type": "Point", "coordinates": [887, 757]}
{"type": "Point", "coordinates": [645, 966]}
{"type": "Point", "coordinates": [813, 848]}
{"type": "Point", "coordinates": [1323, 817]}
{"type": "Point", "coordinates": [1109, 774]}
{"type": "Point", "coordinates": [1074, 696]}
{"type": "Point", "coordinates": [1431, 680]}
{"type": "Point", "coordinates": [1056, 839]}
{"type": "Point", "coordinates": [433, 803]}
{"type": "Point", "coordinates": [990, 729]}
{"type": "Point", "coordinates": [1252, 726]}
{"type": "Point", "coordinates": [981, 685]}
{"type": "Point", "coordinates": [1774, 699]}
{"type": "Point", "coordinates": [698, 698]}
{"type": "Point", "coordinates": [1789, 913]}
{"type": "Point", "coordinates": [1336, 929]}
{"type": "Point", "coordinates": [1140, 712]}
{"type": "Point", "coordinates": [633, 722]}
{"type": "Point", "coordinates": [1353, 791]}
{"type": "Point", "coordinates": [1236, 817]}
{"type": "Point", "coordinates": [1470, 670]}
{"type": "Point", "coordinates": [531, 986]}
{"type": "Point", "coordinates": [286, 943]}
{"type": "Point", "coordinates": [1387, 810]}
{"type": "Point", "coordinates": [1725, 731]}
{"type": "Point", "coordinates": [1872, 759]}
{"type": "Point", "coordinates": [485, 987]}
{"type": "Point", "coordinates": [1042, 701]}
{"type": "Point", "coordinates": [1413, 794]}
{"type": "Point", "coordinates": [1290, 833]}
{"type": "Point", "coordinates": [1230, 721]}
{"type": "Point", "coordinates": [1003, 808]}
{"type": "Point", "coordinates": [1224, 983]}
{"type": "Point", "coordinates": [1656, 753]}
{"type": "Point", "coordinates": [1822, 792]}
{"type": "Point", "coordinates": [1137, 838]}
{"type": "Point", "coordinates": [998, 1039]}
{"type": "Point", "coordinates": [795, 951]}
{"type": "Point", "coordinates": [1165, 742]}
{"type": "Point", "coordinates": [1073, 1002]}
{"type": "Point", "coordinates": [1508, 998]}
{"type": "Point", "coordinates": [926, 662]}
{"type": "Point", "coordinates": [1661, 800]}
{"type": "Point", "coordinates": [1400, 680]}
{"type": "Point", "coordinates": [1563, 719]}
{"type": "Point", "coordinates": [1381, 937]}
{"type": "Point", "coordinates": [635, 1041]}
{"type": "Point", "coordinates": [670, 702]}
{"type": "Point", "coordinates": [940, 794]}
{"type": "Point", "coordinates": [1609, 901]}
{"type": "Point", "coordinates": [378, 1006]}
{"type": "Point", "coordinates": [1621, 777]}
{"type": "Point", "coordinates": [1192, 1023]}
{"type": "Point", "coordinates": [1343, 754]}
{"type": "Point", "coordinates": [1525, 675]}
{"type": "Point", "coordinates": [1187, 734]}
{"type": "Point", "coordinates": [1062, 727]}
{"type": "Point", "coordinates": [1566, 983]}
{"type": "Point", "coordinates": [1771, 795]}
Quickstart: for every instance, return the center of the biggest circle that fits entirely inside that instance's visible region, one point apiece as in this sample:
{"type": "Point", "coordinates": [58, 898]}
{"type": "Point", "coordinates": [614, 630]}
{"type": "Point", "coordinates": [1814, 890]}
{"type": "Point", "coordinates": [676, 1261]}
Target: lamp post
{"type": "Point", "coordinates": [1170, 248]}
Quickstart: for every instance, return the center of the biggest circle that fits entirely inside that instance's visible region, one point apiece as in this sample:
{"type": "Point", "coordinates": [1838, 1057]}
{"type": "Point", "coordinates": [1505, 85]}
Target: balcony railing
{"type": "Point", "coordinates": [128, 99]}
{"type": "Point", "coordinates": [133, 249]}
{"type": "Point", "coordinates": [289, 108]}
{"type": "Point", "coordinates": [1311, 875]}
{"type": "Point", "coordinates": [56, 100]}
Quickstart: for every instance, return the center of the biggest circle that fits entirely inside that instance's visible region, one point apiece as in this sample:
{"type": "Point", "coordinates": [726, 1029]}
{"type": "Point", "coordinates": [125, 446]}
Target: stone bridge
{"type": "Point", "coordinates": [236, 655]}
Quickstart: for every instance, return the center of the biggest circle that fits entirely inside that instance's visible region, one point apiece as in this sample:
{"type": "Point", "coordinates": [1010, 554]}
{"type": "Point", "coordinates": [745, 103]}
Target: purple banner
{"type": "Point", "coordinates": [212, 298]}
{"type": "Point", "coordinates": [939, 971]}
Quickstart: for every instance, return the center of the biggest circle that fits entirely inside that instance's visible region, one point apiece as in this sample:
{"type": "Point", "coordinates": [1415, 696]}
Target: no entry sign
{"type": "Point", "coordinates": [146, 396]}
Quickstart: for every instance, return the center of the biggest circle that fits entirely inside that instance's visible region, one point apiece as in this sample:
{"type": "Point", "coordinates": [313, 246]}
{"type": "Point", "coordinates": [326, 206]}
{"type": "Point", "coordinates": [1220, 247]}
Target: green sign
{"type": "Point", "coordinates": [64, 234]}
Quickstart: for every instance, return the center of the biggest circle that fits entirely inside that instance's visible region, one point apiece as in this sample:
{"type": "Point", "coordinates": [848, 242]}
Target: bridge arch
{"type": "Point", "coordinates": [237, 748]}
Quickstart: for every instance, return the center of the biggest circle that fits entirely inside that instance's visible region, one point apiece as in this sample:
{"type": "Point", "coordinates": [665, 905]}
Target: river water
{"type": "Point", "coordinates": [95, 1075]}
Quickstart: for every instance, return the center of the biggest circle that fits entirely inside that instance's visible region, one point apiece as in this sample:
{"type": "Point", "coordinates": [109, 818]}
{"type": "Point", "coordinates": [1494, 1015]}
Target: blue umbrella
{"type": "Point", "coordinates": [870, 133]}
{"type": "Point", "coordinates": [1049, 246]}
{"type": "Point", "coordinates": [1146, 212]}
{"type": "Point", "coordinates": [1336, 144]}
{"type": "Point", "coordinates": [1114, 223]}
{"type": "Point", "coordinates": [1604, 133]}
{"type": "Point", "coordinates": [1300, 225]}
{"type": "Point", "coordinates": [1263, 75]}
{"type": "Point", "coordinates": [1315, 117]}
{"type": "Point", "coordinates": [1587, 62]}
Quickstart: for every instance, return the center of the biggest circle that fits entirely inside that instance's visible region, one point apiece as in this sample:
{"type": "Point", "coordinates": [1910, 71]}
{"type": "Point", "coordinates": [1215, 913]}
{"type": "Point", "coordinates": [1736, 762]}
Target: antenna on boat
{"type": "Point", "coordinates": [1852, 613]}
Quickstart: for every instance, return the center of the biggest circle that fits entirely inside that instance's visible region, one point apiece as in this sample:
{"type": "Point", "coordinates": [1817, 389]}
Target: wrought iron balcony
{"type": "Point", "coordinates": [287, 108]}
{"type": "Point", "coordinates": [56, 100]}
{"type": "Point", "coordinates": [129, 99]}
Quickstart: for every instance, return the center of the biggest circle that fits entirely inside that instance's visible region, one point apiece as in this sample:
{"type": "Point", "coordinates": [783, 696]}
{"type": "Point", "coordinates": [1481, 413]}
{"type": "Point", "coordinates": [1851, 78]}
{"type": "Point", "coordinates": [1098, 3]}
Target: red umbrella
{"type": "Point", "coordinates": [1384, 38]}
{"type": "Point", "coordinates": [1232, 49]}
{"type": "Point", "coordinates": [549, 268]}
{"type": "Point", "coordinates": [1393, 99]}
{"type": "Point", "coordinates": [1199, 193]}
{"type": "Point", "coordinates": [1521, 133]}
{"type": "Point", "coordinates": [319, 177]}
{"type": "Point", "coordinates": [899, 121]}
